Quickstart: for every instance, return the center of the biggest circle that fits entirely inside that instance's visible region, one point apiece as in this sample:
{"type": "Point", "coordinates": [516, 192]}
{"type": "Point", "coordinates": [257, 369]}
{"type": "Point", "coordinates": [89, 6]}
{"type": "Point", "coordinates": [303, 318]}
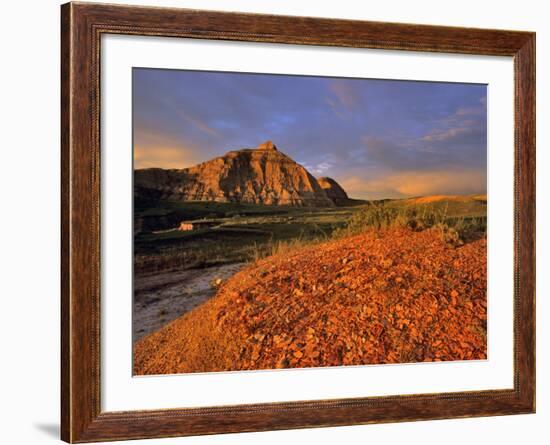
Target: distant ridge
{"type": "Point", "coordinates": [436, 198]}
{"type": "Point", "coordinates": [260, 175]}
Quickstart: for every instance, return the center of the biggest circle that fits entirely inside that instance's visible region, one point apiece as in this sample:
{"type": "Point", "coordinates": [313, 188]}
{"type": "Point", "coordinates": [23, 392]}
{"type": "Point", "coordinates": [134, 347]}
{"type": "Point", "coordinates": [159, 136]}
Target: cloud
{"type": "Point", "coordinates": [414, 183]}
{"type": "Point", "coordinates": [460, 139]}
{"type": "Point", "coordinates": [463, 115]}
{"type": "Point", "coordinates": [158, 151]}
{"type": "Point", "coordinates": [198, 123]}
{"type": "Point", "coordinates": [442, 135]}
{"type": "Point", "coordinates": [470, 111]}
{"type": "Point", "coordinates": [335, 108]}
{"type": "Point", "coordinates": [445, 182]}
{"type": "Point", "coordinates": [161, 157]}
{"type": "Point", "coordinates": [463, 142]}
{"type": "Point", "coordinates": [185, 117]}
{"type": "Point", "coordinates": [317, 169]}
{"type": "Point", "coordinates": [386, 153]}
{"type": "Point", "coordinates": [344, 94]}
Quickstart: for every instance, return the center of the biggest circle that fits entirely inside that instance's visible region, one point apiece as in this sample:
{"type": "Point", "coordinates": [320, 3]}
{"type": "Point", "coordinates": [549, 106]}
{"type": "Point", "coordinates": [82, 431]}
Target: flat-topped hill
{"type": "Point", "coordinates": [261, 175]}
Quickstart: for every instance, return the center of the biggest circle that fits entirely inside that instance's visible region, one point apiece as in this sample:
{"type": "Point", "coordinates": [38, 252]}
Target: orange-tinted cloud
{"type": "Point", "coordinates": [163, 157]}
{"type": "Point", "coordinates": [416, 183]}
{"type": "Point", "coordinates": [154, 150]}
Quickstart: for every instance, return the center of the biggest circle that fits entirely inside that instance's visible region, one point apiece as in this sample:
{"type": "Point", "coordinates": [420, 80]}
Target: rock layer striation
{"type": "Point", "coordinates": [262, 175]}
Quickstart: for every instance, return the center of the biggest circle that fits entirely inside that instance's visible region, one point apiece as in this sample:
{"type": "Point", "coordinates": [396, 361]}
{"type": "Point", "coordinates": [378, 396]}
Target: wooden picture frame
{"type": "Point", "coordinates": [82, 25]}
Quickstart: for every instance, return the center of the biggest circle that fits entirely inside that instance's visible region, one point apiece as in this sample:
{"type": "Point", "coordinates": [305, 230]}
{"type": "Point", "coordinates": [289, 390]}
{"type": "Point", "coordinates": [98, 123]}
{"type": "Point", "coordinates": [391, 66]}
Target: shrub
{"type": "Point", "coordinates": [449, 235]}
{"type": "Point", "coordinates": [280, 247]}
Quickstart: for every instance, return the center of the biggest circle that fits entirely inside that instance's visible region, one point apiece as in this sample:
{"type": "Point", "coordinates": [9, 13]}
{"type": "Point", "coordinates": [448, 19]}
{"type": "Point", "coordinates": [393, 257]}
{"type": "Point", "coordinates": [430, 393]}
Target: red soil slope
{"type": "Point", "coordinates": [389, 297]}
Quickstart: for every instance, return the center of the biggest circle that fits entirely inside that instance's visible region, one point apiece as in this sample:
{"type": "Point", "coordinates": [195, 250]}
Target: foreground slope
{"type": "Point", "coordinates": [380, 297]}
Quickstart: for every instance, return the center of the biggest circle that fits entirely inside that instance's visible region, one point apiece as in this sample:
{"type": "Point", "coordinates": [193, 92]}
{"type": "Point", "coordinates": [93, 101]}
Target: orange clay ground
{"type": "Point", "coordinates": [393, 296]}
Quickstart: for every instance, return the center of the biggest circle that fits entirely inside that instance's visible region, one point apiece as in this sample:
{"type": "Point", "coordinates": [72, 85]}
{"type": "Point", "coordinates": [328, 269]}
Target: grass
{"type": "Point", "coordinates": [456, 224]}
{"type": "Point", "coordinates": [247, 232]}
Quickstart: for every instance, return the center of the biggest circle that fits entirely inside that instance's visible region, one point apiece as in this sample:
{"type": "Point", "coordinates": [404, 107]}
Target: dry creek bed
{"type": "Point", "coordinates": [161, 298]}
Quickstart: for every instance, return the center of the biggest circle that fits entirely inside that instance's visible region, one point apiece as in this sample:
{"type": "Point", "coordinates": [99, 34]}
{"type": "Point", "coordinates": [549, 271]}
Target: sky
{"type": "Point", "coordinates": [376, 138]}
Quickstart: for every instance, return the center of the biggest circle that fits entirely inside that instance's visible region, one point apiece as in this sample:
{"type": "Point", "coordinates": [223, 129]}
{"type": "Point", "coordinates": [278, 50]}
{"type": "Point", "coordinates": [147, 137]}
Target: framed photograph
{"type": "Point", "coordinates": [274, 222]}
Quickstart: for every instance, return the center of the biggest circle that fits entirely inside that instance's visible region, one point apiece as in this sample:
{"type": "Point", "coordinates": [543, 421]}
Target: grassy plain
{"type": "Point", "coordinates": [245, 232]}
{"type": "Point", "coordinates": [242, 232]}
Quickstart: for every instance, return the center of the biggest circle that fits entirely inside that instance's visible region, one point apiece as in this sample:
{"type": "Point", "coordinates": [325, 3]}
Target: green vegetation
{"type": "Point", "coordinates": [456, 220]}
{"type": "Point", "coordinates": [245, 232]}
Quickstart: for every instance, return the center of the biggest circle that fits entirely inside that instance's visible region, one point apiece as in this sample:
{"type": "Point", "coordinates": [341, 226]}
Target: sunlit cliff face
{"type": "Point", "coordinates": [377, 138]}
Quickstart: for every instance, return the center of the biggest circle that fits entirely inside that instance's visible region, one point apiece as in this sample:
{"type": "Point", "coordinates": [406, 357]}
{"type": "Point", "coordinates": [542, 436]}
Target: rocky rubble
{"type": "Point", "coordinates": [393, 296]}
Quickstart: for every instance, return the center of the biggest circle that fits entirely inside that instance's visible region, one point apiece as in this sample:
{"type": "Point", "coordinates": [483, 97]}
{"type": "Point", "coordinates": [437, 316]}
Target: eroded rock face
{"type": "Point", "coordinates": [267, 145]}
{"type": "Point", "coordinates": [333, 190]}
{"type": "Point", "coordinates": [262, 175]}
